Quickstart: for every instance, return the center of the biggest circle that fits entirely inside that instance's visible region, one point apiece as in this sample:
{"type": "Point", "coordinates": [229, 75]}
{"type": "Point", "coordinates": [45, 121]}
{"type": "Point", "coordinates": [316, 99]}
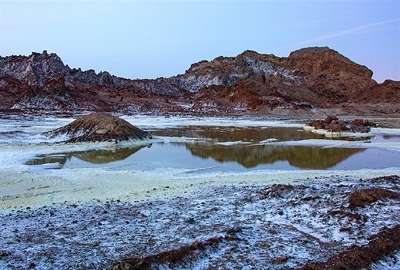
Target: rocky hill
{"type": "Point", "coordinates": [307, 80]}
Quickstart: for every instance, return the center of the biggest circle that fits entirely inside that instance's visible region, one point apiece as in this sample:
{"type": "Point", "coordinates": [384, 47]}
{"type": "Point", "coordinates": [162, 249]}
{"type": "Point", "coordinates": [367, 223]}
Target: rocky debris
{"type": "Point", "coordinates": [381, 245]}
{"type": "Point", "coordinates": [169, 257]}
{"type": "Point", "coordinates": [100, 127]}
{"type": "Point", "coordinates": [251, 82]}
{"type": "Point", "coordinates": [333, 124]}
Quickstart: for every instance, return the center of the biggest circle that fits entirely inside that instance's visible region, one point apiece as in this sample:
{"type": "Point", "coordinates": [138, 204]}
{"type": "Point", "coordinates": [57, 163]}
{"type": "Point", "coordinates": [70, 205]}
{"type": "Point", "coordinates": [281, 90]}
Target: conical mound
{"type": "Point", "coordinates": [100, 127]}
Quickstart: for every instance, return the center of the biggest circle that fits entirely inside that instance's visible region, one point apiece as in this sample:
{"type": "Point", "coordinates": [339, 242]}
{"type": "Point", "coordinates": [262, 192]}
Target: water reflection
{"type": "Point", "coordinates": [249, 153]}
{"type": "Point", "coordinates": [92, 156]}
{"type": "Point", "coordinates": [252, 156]}
{"type": "Point", "coordinates": [246, 134]}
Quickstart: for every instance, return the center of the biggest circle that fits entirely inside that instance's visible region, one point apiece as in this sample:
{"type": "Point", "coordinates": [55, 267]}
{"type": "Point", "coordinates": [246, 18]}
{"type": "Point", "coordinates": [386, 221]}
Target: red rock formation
{"type": "Point", "coordinates": [308, 79]}
{"type": "Point", "coordinates": [386, 92]}
{"type": "Point", "coordinates": [333, 124]}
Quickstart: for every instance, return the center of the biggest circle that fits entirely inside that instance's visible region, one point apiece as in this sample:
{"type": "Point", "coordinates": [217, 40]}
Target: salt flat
{"type": "Point", "coordinates": [102, 214]}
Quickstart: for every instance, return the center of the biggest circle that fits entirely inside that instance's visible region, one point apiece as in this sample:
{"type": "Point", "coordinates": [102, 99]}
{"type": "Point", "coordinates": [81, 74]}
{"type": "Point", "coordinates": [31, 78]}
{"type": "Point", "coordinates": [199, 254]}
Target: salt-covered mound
{"type": "Point", "coordinates": [100, 127]}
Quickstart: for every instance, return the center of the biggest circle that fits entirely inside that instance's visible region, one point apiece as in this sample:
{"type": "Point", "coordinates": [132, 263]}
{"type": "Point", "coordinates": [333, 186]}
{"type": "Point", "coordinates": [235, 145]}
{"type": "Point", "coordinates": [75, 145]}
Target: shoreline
{"type": "Point", "coordinates": [26, 190]}
{"type": "Point", "coordinates": [390, 119]}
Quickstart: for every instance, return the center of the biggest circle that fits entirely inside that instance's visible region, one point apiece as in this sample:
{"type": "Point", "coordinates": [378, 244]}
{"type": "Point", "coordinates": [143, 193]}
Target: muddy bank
{"type": "Point", "coordinates": [277, 226]}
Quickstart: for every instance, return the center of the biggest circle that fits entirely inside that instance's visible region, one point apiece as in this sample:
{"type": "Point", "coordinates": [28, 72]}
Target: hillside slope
{"type": "Point", "coordinates": [307, 80]}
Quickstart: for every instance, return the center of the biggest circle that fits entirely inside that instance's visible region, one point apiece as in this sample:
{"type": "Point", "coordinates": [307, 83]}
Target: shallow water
{"type": "Point", "coordinates": [237, 149]}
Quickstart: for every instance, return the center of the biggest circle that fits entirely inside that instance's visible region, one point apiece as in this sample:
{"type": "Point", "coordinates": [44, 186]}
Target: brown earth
{"type": "Point", "coordinates": [366, 196]}
{"type": "Point", "coordinates": [100, 127]}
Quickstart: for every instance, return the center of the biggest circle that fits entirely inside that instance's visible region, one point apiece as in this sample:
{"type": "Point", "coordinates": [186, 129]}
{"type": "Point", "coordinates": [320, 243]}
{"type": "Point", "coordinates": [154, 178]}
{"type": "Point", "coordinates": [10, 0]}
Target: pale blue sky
{"type": "Point", "coordinates": [150, 39]}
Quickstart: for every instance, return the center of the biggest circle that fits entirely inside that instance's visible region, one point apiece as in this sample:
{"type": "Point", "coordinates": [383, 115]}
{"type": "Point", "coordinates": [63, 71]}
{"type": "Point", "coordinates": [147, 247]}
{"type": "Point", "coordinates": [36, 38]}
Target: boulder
{"type": "Point", "coordinates": [100, 127]}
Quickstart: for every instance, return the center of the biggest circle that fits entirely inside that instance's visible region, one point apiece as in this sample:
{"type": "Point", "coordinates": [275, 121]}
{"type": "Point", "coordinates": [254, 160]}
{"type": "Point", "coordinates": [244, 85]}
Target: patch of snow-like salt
{"type": "Point", "coordinates": [146, 122]}
{"type": "Point", "coordinates": [386, 131]}
{"type": "Point", "coordinates": [233, 143]}
{"type": "Point", "coordinates": [195, 83]}
{"type": "Point", "coordinates": [339, 134]}
{"type": "Point", "coordinates": [392, 262]}
{"type": "Point", "coordinates": [268, 141]}
{"type": "Point", "coordinates": [279, 235]}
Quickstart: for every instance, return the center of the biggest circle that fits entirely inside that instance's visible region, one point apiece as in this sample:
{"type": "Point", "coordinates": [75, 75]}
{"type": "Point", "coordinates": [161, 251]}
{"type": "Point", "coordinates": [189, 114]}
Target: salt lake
{"type": "Point", "coordinates": [185, 153]}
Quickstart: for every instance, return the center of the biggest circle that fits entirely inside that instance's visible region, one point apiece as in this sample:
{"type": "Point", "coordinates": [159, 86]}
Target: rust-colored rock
{"type": "Point", "coordinates": [330, 118]}
{"type": "Point", "coordinates": [333, 124]}
{"type": "Point", "coordinates": [308, 79]}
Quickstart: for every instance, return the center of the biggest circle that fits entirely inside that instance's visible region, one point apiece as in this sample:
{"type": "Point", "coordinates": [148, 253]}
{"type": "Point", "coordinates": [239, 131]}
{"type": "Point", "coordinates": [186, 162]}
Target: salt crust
{"type": "Point", "coordinates": [308, 220]}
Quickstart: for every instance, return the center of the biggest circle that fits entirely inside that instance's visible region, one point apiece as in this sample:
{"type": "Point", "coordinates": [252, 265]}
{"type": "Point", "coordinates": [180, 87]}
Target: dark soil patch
{"type": "Point", "coordinates": [382, 244]}
{"type": "Point", "coordinates": [169, 257]}
{"type": "Point", "coordinates": [366, 196]}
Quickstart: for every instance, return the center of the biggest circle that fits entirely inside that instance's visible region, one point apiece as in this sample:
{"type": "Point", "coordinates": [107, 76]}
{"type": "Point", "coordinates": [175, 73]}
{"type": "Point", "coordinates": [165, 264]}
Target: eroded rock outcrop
{"type": "Point", "coordinates": [100, 127]}
{"type": "Point", "coordinates": [333, 124]}
{"type": "Point", "coordinates": [306, 80]}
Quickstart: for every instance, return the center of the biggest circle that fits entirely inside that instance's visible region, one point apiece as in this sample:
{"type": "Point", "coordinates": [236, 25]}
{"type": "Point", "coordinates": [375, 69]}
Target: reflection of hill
{"type": "Point", "coordinates": [252, 156]}
{"type": "Point", "coordinates": [106, 156]}
{"type": "Point", "coordinates": [232, 134]}
{"type": "Point", "coordinates": [92, 156]}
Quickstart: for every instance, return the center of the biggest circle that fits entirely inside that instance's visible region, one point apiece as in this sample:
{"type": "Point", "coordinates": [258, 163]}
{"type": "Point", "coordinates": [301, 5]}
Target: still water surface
{"type": "Point", "coordinates": [228, 149]}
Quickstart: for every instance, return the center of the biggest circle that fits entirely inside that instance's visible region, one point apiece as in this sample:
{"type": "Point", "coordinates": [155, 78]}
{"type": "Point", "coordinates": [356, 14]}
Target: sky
{"type": "Point", "coordinates": [148, 39]}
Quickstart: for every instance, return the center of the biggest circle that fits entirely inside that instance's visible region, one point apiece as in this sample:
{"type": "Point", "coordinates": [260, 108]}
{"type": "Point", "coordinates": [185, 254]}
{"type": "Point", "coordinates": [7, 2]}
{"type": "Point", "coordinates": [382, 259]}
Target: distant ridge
{"type": "Point", "coordinates": [307, 80]}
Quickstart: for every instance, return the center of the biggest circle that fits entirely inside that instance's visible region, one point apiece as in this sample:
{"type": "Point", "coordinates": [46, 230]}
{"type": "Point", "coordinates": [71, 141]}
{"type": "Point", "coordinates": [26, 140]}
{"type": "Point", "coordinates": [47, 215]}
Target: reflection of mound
{"type": "Point", "coordinates": [100, 127]}
{"type": "Point", "coordinates": [106, 156]}
{"type": "Point", "coordinates": [252, 156]}
{"type": "Point", "coordinates": [93, 156]}
{"type": "Point", "coordinates": [48, 159]}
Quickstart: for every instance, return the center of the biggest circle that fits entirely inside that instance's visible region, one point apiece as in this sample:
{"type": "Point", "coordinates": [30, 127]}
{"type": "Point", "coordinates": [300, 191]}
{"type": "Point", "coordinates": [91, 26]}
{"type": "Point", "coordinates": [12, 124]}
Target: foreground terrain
{"type": "Point", "coordinates": [280, 226]}
{"type": "Point", "coordinates": [150, 215]}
